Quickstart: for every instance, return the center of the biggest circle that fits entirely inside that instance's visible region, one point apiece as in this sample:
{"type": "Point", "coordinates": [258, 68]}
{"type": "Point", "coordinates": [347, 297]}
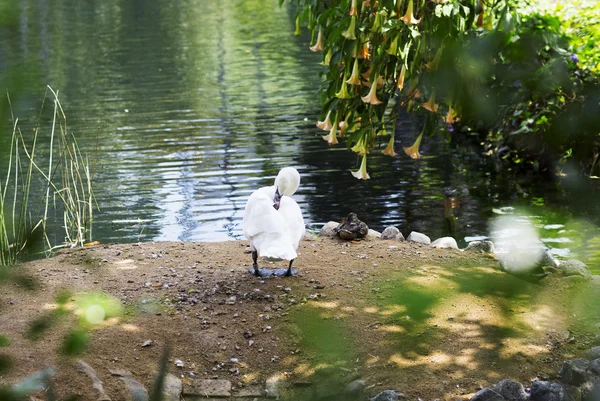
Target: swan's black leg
{"type": "Point", "coordinates": [255, 264]}
{"type": "Point", "coordinates": [289, 270]}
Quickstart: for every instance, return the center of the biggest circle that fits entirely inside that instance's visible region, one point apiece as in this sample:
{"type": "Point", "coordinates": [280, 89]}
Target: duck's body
{"type": "Point", "coordinates": [352, 228]}
{"type": "Point", "coordinates": [273, 221]}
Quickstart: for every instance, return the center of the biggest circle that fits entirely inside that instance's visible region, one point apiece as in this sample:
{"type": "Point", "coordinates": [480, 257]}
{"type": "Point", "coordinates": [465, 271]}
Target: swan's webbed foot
{"type": "Point", "coordinates": [286, 272]}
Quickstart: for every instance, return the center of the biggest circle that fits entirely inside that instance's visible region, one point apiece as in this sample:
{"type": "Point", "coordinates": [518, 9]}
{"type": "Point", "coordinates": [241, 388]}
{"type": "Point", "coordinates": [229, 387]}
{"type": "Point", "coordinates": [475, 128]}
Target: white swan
{"type": "Point", "coordinates": [273, 221]}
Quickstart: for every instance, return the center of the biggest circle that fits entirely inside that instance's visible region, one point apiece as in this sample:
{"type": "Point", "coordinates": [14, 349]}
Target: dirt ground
{"type": "Point", "coordinates": [432, 323]}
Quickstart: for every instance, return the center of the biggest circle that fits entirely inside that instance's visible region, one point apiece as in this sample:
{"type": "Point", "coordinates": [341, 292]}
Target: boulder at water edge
{"type": "Point", "coordinates": [575, 268]}
{"type": "Point", "coordinates": [480, 246]}
{"type": "Point", "coordinates": [392, 233]}
{"type": "Point", "coordinates": [510, 390]}
{"type": "Point", "coordinates": [328, 230]}
{"type": "Point", "coordinates": [445, 242]}
{"type": "Point", "coordinates": [545, 391]}
{"type": "Point", "coordinates": [487, 394]}
{"type": "Point", "coordinates": [418, 238]}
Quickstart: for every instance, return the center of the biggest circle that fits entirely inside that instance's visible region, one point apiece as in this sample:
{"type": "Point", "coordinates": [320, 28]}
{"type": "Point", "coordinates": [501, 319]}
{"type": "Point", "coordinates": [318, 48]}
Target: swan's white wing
{"type": "Point", "coordinates": [294, 222]}
{"type": "Point", "coordinates": [260, 216]}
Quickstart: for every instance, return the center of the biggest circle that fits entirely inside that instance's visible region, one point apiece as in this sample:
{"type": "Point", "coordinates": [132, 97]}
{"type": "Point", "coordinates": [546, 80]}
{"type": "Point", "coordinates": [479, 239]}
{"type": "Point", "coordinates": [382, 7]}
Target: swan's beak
{"type": "Point", "coordinates": [276, 199]}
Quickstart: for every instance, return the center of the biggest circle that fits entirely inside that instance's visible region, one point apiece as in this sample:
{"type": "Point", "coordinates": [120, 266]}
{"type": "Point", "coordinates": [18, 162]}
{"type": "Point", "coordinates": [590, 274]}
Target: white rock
{"type": "Point", "coordinates": [328, 229]}
{"type": "Point", "coordinates": [373, 234]}
{"type": "Point", "coordinates": [390, 232]}
{"type": "Point", "coordinates": [445, 242]}
{"type": "Point", "coordinates": [419, 238]}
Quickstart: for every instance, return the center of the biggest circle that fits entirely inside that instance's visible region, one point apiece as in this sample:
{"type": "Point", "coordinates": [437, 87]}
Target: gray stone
{"type": "Point", "coordinates": [575, 279]}
{"type": "Point", "coordinates": [595, 366]}
{"type": "Point", "coordinates": [487, 394]}
{"type": "Point", "coordinates": [575, 268]}
{"type": "Point", "coordinates": [480, 246]}
{"type": "Point", "coordinates": [593, 353]}
{"type": "Point", "coordinates": [510, 390]}
{"type": "Point", "coordinates": [328, 230]}
{"type": "Point", "coordinates": [547, 260]}
{"type": "Point", "coordinates": [355, 386]}
{"type": "Point", "coordinates": [207, 388]}
{"type": "Point", "coordinates": [373, 234]}
{"type": "Point", "coordinates": [82, 366]}
{"type": "Point", "coordinates": [574, 371]}
{"type": "Point", "coordinates": [308, 236]}
{"type": "Point", "coordinates": [250, 392]}
{"type": "Point", "coordinates": [545, 391]}
{"type": "Point", "coordinates": [136, 389]}
{"type": "Point", "coordinates": [275, 386]}
{"type": "Point", "coordinates": [387, 395]}
{"type": "Point", "coordinates": [445, 242]}
{"type": "Point", "coordinates": [390, 232]}
{"type": "Point", "coordinates": [418, 238]}
{"type": "Point", "coordinates": [173, 388]}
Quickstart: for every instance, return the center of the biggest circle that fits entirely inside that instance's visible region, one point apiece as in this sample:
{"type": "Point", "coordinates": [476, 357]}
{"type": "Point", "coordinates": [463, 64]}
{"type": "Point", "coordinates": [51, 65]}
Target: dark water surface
{"type": "Point", "coordinates": [189, 106]}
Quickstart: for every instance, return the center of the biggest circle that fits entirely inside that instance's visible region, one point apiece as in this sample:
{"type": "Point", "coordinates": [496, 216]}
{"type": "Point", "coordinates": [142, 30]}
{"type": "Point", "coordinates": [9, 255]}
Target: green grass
{"type": "Point", "coordinates": [68, 194]}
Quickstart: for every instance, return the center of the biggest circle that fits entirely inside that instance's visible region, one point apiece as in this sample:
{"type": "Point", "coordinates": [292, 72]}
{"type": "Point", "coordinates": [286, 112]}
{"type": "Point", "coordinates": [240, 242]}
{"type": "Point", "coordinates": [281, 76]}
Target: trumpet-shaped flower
{"type": "Point", "coordinates": [319, 45]}
{"type": "Point", "coordinates": [451, 116]}
{"type": "Point", "coordinates": [361, 173]}
{"type": "Point", "coordinates": [332, 137]}
{"type": "Point", "coordinates": [355, 76]}
{"type": "Point", "coordinates": [361, 146]}
{"type": "Point", "coordinates": [393, 49]}
{"type": "Point", "coordinates": [298, 30]}
{"type": "Point", "coordinates": [353, 10]}
{"type": "Point", "coordinates": [327, 58]}
{"type": "Point", "coordinates": [343, 93]}
{"type": "Point", "coordinates": [433, 64]}
{"type": "Point", "coordinates": [371, 97]}
{"type": "Point", "coordinates": [325, 125]}
{"type": "Point", "coordinates": [377, 23]}
{"type": "Point", "coordinates": [389, 150]}
{"type": "Point", "coordinates": [349, 33]}
{"type": "Point", "coordinates": [401, 77]}
{"type": "Point", "coordinates": [344, 125]}
{"type": "Point", "coordinates": [409, 18]}
{"type": "Point", "coordinates": [430, 104]}
{"type": "Point", "coordinates": [364, 51]}
{"type": "Point", "coordinates": [413, 151]}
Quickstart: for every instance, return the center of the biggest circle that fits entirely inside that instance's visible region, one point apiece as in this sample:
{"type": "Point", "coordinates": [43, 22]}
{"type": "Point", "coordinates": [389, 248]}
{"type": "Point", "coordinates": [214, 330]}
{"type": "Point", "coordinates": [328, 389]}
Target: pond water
{"type": "Point", "coordinates": [189, 106]}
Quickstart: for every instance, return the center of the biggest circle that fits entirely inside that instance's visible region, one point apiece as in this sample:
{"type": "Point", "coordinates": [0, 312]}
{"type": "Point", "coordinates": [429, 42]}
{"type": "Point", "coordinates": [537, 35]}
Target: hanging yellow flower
{"type": "Point", "coordinates": [433, 64]}
{"type": "Point", "coordinates": [430, 104]}
{"type": "Point", "coordinates": [361, 173]}
{"type": "Point", "coordinates": [325, 125]}
{"type": "Point", "coordinates": [371, 98]}
{"type": "Point", "coordinates": [343, 93]}
{"type": "Point", "coordinates": [298, 30]}
{"type": "Point", "coordinates": [389, 150]}
{"type": "Point", "coordinates": [344, 125]}
{"type": "Point", "coordinates": [413, 151]}
{"type": "Point", "coordinates": [401, 77]}
{"type": "Point", "coordinates": [349, 33]}
{"type": "Point", "coordinates": [451, 117]}
{"type": "Point", "coordinates": [327, 58]}
{"type": "Point", "coordinates": [353, 10]}
{"type": "Point", "coordinates": [332, 137]}
{"type": "Point", "coordinates": [393, 49]}
{"type": "Point", "coordinates": [409, 18]}
{"type": "Point", "coordinates": [361, 146]}
{"type": "Point", "coordinates": [364, 51]}
{"type": "Point", "coordinates": [319, 45]}
{"type": "Point", "coordinates": [355, 76]}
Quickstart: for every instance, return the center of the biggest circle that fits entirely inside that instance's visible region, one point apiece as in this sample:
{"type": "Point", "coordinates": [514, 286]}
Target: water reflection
{"type": "Point", "coordinates": [190, 106]}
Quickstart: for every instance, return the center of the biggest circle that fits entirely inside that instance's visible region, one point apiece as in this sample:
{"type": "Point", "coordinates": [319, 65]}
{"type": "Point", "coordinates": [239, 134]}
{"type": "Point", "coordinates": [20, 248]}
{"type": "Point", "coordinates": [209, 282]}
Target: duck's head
{"type": "Point", "coordinates": [352, 217]}
{"type": "Point", "coordinates": [287, 181]}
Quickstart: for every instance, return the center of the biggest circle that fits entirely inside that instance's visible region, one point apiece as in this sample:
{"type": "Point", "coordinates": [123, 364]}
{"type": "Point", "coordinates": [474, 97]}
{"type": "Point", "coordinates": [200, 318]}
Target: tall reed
{"type": "Point", "coordinates": [67, 196]}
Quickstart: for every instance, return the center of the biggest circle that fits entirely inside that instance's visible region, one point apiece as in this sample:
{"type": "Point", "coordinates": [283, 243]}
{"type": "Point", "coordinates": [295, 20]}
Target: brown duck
{"type": "Point", "coordinates": [352, 228]}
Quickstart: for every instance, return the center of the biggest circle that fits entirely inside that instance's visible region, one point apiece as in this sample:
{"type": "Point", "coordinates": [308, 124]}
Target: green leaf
{"type": "Point", "coordinates": [4, 341]}
{"type": "Point", "coordinates": [75, 342]}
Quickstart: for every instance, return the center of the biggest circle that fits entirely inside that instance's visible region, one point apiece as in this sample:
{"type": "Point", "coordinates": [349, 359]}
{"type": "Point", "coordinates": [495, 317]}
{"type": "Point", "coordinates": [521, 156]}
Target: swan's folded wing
{"type": "Point", "coordinates": [261, 217]}
{"type": "Point", "coordinates": [294, 222]}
